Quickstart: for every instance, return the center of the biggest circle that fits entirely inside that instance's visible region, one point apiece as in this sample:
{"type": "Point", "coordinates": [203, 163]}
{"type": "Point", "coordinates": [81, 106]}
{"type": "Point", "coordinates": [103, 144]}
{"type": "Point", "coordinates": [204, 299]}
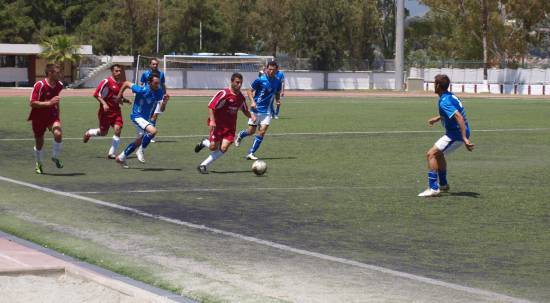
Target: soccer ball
{"type": "Point", "coordinates": [259, 167]}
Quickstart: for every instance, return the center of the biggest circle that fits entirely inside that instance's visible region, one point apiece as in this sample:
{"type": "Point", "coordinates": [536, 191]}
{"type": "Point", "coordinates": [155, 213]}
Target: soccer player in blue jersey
{"type": "Point", "coordinates": [153, 68]}
{"type": "Point", "coordinates": [146, 100]}
{"type": "Point", "coordinates": [263, 92]}
{"type": "Point", "coordinates": [457, 132]}
{"type": "Point", "coordinates": [281, 76]}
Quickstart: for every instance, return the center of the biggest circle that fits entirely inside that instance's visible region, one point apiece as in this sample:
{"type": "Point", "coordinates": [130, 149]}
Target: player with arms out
{"type": "Point", "coordinates": [222, 121]}
{"type": "Point", "coordinates": [45, 114]}
{"type": "Point", "coordinates": [153, 68]}
{"type": "Point", "coordinates": [457, 132]}
{"type": "Point", "coordinates": [263, 92]}
{"type": "Point", "coordinates": [109, 113]}
{"type": "Point", "coordinates": [146, 99]}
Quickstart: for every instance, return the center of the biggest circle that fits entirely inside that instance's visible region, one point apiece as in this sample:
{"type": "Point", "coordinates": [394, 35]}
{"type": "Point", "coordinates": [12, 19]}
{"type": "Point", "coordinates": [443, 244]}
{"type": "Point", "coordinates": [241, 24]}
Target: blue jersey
{"type": "Point", "coordinates": [449, 104]}
{"type": "Point", "coordinates": [147, 73]}
{"type": "Point", "coordinates": [280, 75]}
{"type": "Point", "coordinates": [265, 90]}
{"type": "Point", "coordinates": [145, 101]}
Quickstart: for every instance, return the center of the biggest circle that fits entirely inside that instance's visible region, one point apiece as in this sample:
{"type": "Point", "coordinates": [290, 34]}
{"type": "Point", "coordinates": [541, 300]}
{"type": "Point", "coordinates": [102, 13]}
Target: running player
{"type": "Point", "coordinates": [262, 93]}
{"type": "Point", "coordinates": [145, 103]}
{"type": "Point", "coordinates": [222, 121]}
{"type": "Point", "coordinates": [457, 132]}
{"type": "Point", "coordinates": [109, 113]}
{"type": "Point", "coordinates": [45, 115]}
{"type": "Point", "coordinates": [153, 68]}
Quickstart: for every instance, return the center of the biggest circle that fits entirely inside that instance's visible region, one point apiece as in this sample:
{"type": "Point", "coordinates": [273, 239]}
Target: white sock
{"type": "Point", "coordinates": [38, 155]}
{"type": "Point", "coordinates": [94, 132]}
{"type": "Point", "coordinates": [212, 157]}
{"type": "Point", "coordinates": [114, 145]}
{"type": "Point", "coordinates": [122, 156]}
{"type": "Point", "coordinates": [206, 142]}
{"type": "Point", "coordinates": [56, 150]}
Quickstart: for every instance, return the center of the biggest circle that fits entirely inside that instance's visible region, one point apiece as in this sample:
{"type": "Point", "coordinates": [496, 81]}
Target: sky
{"type": "Point", "coordinates": [415, 8]}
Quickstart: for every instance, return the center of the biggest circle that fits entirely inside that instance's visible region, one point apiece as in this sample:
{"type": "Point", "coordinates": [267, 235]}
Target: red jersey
{"type": "Point", "coordinates": [41, 92]}
{"type": "Point", "coordinates": [108, 89]}
{"type": "Point", "coordinates": [226, 105]}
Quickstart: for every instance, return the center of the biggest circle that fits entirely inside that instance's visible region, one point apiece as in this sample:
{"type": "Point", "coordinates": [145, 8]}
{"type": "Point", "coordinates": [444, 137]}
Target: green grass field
{"type": "Point", "coordinates": [342, 180]}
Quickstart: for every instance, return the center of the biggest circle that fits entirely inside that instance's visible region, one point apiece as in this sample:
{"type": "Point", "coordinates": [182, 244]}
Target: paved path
{"type": "Point", "coordinates": [19, 257]}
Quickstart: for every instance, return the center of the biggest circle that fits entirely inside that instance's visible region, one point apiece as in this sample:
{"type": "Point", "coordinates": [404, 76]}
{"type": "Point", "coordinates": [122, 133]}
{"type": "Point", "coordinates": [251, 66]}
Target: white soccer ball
{"type": "Point", "coordinates": [259, 167]}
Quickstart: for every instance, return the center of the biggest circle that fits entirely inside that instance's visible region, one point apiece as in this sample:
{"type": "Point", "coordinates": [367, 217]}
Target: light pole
{"type": "Point", "coordinates": [158, 24]}
{"type": "Point", "coordinates": [399, 43]}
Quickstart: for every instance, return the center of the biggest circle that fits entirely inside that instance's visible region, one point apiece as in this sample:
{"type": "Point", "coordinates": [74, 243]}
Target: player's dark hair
{"type": "Point", "coordinates": [236, 75]}
{"type": "Point", "coordinates": [154, 74]}
{"type": "Point", "coordinates": [442, 81]}
{"type": "Point", "coordinates": [50, 67]}
{"type": "Point", "coordinates": [273, 63]}
{"type": "Point", "coordinates": [116, 65]}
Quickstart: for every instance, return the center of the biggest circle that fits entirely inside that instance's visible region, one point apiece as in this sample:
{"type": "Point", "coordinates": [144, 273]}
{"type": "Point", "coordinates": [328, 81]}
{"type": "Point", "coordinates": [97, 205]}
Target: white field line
{"type": "Point", "coordinates": [228, 189]}
{"type": "Point", "coordinates": [470, 290]}
{"type": "Point", "coordinates": [386, 132]}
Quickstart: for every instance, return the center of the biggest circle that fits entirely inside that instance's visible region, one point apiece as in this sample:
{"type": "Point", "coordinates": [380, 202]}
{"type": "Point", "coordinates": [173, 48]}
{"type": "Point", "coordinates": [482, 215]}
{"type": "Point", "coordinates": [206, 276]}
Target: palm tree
{"type": "Point", "coordinates": [60, 49]}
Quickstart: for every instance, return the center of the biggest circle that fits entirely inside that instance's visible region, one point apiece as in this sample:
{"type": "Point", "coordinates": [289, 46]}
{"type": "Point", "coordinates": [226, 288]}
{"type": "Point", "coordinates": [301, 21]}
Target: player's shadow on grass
{"type": "Point", "coordinates": [164, 141]}
{"type": "Point", "coordinates": [465, 194]}
{"type": "Point", "coordinates": [278, 158]}
{"type": "Point", "coordinates": [156, 169]}
{"type": "Point", "coordinates": [64, 174]}
{"type": "Point", "coordinates": [231, 171]}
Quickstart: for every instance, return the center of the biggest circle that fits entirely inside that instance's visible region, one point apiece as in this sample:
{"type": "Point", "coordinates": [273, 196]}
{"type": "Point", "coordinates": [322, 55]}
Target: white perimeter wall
{"type": "Point", "coordinates": [14, 74]}
{"type": "Point", "coordinates": [507, 81]}
{"type": "Point", "coordinates": [495, 76]}
{"type": "Point", "coordinates": [301, 80]}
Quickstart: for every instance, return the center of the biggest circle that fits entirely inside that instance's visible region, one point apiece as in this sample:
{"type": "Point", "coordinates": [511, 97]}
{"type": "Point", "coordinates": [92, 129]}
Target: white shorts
{"type": "Point", "coordinates": [261, 119]}
{"type": "Point", "coordinates": [157, 109]}
{"type": "Point", "coordinates": [448, 145]}
{"type": "Point", "coordinates": [140, 125]}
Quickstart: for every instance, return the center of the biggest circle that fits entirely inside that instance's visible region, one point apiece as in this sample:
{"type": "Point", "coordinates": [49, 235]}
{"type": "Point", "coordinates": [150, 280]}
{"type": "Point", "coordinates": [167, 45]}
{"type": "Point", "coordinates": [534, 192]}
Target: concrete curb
{"type": "Point", "coordinates": [86, 271]}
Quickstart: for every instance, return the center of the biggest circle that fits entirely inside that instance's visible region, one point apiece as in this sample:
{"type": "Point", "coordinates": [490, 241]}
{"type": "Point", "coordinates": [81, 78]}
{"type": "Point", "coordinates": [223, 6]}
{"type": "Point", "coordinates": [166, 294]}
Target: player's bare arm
{"type": "Point", "coordinates": [103, 103]}
{"type": "Point", "coordinates": [126, 85]}
{"type": "Point", "coordinates": [44, 104]}
{"type": "Point", "coordinates": [211, 119]}
{"type": "Point", "coordinates": [460, 120]}
{"type": "Point", "coordinates": [165, 99]}
{"type": "Point", "coordinates": [434, 120]}
{"type": "Point", "coordinates": [250, 94]}
{"type": "Point", "coordinates": [248, 114]}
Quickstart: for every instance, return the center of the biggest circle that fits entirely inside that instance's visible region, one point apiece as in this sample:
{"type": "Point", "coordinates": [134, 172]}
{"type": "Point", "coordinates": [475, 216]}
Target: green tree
{"type": "Point", "coordinates": [60, 49]}
{"type": "Point", "coordinates": [16, 26]}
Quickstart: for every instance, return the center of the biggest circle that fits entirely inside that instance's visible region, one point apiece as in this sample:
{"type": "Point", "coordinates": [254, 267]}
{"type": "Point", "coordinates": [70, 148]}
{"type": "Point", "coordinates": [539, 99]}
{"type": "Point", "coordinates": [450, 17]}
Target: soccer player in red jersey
{"type": "Point", "coordinates": [222, 121]}
{"type": "Point", "coordinates": [109, 113]}
{"type": "Point", "coordinates": [45, 115]}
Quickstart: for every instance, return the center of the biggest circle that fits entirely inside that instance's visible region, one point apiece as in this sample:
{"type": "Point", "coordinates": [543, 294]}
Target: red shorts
{"type": "Point", "coordinates": [109, 119]}
{"type": "Point", "coordinates": [39, 126]}
{"type": "Point", "coordinates": [222, 133]}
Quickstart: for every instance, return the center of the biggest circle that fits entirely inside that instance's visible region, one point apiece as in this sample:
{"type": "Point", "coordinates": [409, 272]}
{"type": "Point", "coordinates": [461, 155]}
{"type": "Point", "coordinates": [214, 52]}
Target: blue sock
{"type": "Point", "coordinates": [432, 179]}
{"type": "Point", "coordinates": [442, 177]}
{"type": "Point", "coordinates": [146, 139]}
{"type": "Point", "coordinates": [257, 141]}
{"type": "Point", "coordinates": [243, 134]}
{"type": "Point", "coordinates": [277, 110]}
{"type": "Point", "coordinates": [130, 148]}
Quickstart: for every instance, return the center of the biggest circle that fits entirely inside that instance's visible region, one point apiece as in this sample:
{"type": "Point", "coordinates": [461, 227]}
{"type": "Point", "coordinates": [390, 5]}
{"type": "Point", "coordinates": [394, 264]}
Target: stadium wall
{"type": "Point", "coordinates": [507, 81]}
{"type": "Point", "coordinates": [299, 80]}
